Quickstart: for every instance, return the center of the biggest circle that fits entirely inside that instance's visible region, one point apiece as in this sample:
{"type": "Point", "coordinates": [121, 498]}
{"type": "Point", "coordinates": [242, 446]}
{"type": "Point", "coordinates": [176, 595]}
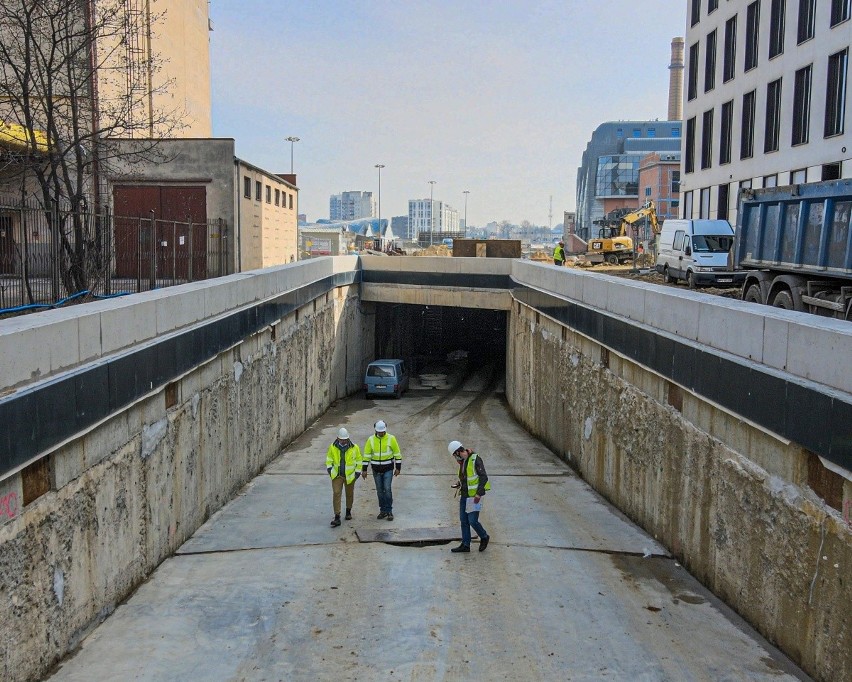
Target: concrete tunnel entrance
{"type": "Point", "coordinates": [423, 335]}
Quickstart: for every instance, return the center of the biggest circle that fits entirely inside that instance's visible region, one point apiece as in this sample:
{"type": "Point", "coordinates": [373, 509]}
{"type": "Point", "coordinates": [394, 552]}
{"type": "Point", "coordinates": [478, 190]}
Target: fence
{"type": "Point", "coordinates": [48, 256]}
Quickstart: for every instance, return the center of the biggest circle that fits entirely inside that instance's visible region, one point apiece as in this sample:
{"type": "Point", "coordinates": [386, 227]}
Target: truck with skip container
{"type": "Point", "coordinates": [696, 251]}
{"type": "Point", "coordinates": [795, 244]}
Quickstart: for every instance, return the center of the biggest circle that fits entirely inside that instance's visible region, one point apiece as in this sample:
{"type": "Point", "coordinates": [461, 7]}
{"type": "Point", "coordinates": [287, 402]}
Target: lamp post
{"type": "Point", "coordinates": [431, 211]}
{"type": "Point", "coordinates": [465, 192]}
{"type": "Point", "coordinates": [291, 140]}
{"type": "Point", "coordinates": [380, 166]}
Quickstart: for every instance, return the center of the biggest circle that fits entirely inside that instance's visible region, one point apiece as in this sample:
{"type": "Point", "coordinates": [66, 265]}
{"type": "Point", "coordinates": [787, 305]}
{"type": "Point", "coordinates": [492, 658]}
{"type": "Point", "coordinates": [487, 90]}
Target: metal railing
{"type": "Point", "coordinates": [48, 257]}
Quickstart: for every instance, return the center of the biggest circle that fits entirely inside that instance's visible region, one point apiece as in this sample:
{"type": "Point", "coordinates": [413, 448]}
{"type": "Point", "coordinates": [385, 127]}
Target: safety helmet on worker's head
{"type": "Point", "coordinates": [381, 427]}
{"type": "Point", "coordinates": [453, 446]}
{"type": "Point", "coordinates": [561, 243]}
{"type": "Point", "coordinates": [343, 434]}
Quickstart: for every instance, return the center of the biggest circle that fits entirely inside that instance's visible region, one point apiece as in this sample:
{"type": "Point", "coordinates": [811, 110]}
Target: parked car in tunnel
{"type": "Point", "coordinates": [386, 377]}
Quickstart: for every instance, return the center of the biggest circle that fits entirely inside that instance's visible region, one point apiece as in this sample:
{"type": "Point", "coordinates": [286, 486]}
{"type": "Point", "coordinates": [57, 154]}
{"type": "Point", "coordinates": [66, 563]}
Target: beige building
{"type": "Point", "coordinates": [266, 218]}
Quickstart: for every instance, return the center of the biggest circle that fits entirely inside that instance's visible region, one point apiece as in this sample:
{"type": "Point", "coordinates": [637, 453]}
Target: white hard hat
{"type": "Point", "coordinates": [343, 434]}
{"type": "Point", "coordinates": [381, 426]}
{"type": "Point", "coordinates": [453, 446]}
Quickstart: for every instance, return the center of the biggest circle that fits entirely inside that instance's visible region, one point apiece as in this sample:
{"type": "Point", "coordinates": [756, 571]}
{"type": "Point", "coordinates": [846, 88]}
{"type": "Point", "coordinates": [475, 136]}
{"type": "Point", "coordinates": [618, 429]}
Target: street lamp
{"type": "Point", "coordinates": [380, 166]}
{"type": "Point", "coordinates": [291, 140]}
{"type": "Point", "coordinates": [431, 211]}
{"type": "Point", "coordinates": [465, 192]}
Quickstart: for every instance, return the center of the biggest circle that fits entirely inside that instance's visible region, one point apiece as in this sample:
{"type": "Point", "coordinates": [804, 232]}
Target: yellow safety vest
{"type": "Point", "coordinates": [382, 450]}
{"type": "Point", "coordinates": [353, 461]}
{"type": "Point", "coordinates": [473, 477]}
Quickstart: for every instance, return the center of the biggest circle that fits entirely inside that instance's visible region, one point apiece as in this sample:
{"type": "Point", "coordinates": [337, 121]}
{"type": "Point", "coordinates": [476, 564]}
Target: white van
{"type": "Point", "coordinates": [697, 251]}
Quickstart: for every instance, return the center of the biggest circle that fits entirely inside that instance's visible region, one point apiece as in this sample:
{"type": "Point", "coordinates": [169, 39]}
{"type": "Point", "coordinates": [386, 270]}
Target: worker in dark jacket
{"type": "Point", "coordinates": [473, 482]}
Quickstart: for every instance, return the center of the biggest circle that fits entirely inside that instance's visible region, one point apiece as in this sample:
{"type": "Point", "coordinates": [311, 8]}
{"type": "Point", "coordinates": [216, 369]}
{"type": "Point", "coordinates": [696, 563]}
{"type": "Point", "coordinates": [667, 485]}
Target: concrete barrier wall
{"type": "Point", "coordinates": [126, 494]}
{"type": "Point", "coordinates": [756, 518]}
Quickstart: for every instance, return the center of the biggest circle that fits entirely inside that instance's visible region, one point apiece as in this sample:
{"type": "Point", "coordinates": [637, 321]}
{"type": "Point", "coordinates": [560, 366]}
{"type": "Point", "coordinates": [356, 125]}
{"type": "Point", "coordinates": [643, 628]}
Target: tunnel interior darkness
{"type": "Point", "coordinates": [424, 335]}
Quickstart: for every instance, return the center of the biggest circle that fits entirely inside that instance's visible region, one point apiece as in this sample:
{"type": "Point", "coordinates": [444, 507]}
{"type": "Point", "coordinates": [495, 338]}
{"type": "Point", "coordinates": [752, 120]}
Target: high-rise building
{"type": "Point", "coordinates": [351, 206]}
{"type": "Point", "coordinates": [399, 227]}
{"type": "Point", "coordinates": [421, 218]}
{"type": "Point", "coordinates": [766, 99]}
{"type": "Point", "coordinates": [608, 177]}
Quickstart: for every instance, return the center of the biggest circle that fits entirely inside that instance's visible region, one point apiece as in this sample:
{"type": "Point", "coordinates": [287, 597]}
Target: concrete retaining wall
{"type": "Point", "coordinates": [127, 494]}
{"type": "Point", "coordinates": [733, 502]}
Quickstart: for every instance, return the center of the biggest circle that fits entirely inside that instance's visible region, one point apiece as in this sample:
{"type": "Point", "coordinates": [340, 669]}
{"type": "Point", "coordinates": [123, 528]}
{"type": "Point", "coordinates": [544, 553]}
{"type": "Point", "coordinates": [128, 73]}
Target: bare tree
{"type": "Point", "coordinates": [75, 74]}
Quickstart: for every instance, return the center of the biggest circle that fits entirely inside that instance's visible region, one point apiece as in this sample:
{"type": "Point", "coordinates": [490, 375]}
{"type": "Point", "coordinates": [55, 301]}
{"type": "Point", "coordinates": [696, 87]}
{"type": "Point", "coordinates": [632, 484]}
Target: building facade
{"type": "Point", "coordinates": [659, 181]}
{"type": "Point", "coordinates": [399, 227]}
{"type": "Point", "coordinates": [608, 177]}
{"type": "Point", "coordinates": [426, 215]}
{"type": "Point", "coordinates": [352, 206]}
{"type": "Point", "coordinates": [765, 99]}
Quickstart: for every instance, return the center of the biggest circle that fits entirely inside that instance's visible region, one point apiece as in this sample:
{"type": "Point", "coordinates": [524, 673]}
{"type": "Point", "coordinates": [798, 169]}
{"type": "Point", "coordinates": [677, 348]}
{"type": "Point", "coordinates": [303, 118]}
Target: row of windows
{"type": "Point", "coordinates": [830, 171]}
{"type": "Point", "coordinates": [650, 132]}
{"type": "Point", "coordinates": [281, 197]}
{"type": "Point", "coordinates": [835, 114]}
{"type": "Point", "coordinates": [840, 12]}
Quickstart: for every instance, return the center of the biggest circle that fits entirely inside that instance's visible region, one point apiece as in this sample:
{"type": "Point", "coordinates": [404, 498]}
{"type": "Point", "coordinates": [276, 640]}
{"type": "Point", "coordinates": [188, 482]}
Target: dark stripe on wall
{"type": "Point", "coordinates": [39, 418]}
{"type": "Point", "coordinates": [818, 421]}
{"type": "Point", "coordinates": [438, 279]}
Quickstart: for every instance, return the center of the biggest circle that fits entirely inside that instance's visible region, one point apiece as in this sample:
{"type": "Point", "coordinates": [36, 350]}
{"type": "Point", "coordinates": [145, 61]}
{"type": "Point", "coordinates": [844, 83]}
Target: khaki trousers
{"type": "Point", "coordinates": [337, 485]}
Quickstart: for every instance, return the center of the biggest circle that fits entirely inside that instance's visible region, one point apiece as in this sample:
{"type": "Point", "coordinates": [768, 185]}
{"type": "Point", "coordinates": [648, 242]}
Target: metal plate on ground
{"type": "Point", "coordinates": [409, 536]}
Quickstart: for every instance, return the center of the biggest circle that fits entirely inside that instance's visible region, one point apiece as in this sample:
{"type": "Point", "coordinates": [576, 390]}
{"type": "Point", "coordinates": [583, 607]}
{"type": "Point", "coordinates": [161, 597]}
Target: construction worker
{"type": "Point", "coordinates": [381, 451]}
{"type": "Point", "coordinates": [342, 460]}
{"type": "Point", "coordinates": [472, 484]}
{"type": "Point", "coordinates": [559, 254]}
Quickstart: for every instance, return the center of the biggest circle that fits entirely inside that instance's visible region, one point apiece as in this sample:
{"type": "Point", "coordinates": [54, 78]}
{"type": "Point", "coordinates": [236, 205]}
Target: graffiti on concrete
{"type": "Point", "coordinates": [9, 505]}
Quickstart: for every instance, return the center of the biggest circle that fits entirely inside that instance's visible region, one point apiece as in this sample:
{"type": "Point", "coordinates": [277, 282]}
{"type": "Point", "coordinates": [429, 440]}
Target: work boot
{"type": "Point", "coordinates": [483, 543]}
{"type": "Point", "coordinates": [348, 514]}
{"type": "Point", "coordinates": [382, 515]}
{"type": "Point", "coordinates": [390, 517]}
{"type": "Point", "coordinates": [335, 521]}
{"type": "Point", "coordinates": [460, 548]}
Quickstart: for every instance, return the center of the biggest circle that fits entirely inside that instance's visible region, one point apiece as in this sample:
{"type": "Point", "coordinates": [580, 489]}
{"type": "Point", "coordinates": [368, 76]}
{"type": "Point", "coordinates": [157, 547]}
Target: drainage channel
{"type": "Point", "coordinates": [410, 537]}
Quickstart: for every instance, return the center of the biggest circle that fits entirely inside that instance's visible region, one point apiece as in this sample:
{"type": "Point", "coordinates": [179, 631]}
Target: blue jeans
{"type": "Point", "coordinates": [469, 521]}
{"type": "Point", "coordinates": [383, 482]}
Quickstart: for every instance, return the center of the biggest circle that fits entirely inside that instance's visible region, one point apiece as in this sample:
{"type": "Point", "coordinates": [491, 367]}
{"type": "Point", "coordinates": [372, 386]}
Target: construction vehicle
{"type": "Point", "coordinates": [611, 243]}
{"type": "Point", "coordinates": [795, 244]}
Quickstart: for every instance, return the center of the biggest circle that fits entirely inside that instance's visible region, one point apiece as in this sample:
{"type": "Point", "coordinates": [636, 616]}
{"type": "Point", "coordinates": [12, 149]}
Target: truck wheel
{"type": "Point", "coordinates": [752, 294]}
{"type": "Point", "coordinates": [783, 300]}
{"type": "Point", "coordinates": [612, 259]}
{"type": "Point", "coordinates": [690, 279]}
{"type": "Point", "coordinates": [667, 278]}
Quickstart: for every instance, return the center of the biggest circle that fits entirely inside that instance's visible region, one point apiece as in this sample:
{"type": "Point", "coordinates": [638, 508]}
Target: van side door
{"type": "Point", "coordinates": [677, 250]}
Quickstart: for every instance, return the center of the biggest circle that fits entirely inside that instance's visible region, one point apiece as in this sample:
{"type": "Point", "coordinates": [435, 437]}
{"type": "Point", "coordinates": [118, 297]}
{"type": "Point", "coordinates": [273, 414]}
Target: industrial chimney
{"type": "Point", "coordinates": [676, 81]}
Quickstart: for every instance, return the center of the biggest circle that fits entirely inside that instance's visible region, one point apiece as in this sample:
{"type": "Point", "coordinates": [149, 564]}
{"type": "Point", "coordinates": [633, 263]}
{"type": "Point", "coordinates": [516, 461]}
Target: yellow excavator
{"type": "Point", "coordinates": [611, 243]}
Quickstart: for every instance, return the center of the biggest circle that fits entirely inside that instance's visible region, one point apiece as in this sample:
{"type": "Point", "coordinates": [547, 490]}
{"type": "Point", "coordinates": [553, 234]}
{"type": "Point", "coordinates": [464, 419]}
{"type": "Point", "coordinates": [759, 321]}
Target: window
{"type": "Point", "coordinates": [291, 200]}
{"type": "Point", "coordinates": [675, 182]}
{"type": "Point", "coordinates": [712, 6]}
{"type": "Point", "coordinates": [277, 197]}
{"type": "Point", "coordinates": [831, 171]}
{"type": "Point", "coordinates": [619, 133]}
{"type": "Point", "coordinates": [770, 180]}
{"type": "Point", "coordinates": [692, 84]}
{"type": "Point", "coordinates": [722, 203]}
{"type": "Point", "coordinates": [707, 139]}
{"type": "Point", "coordinates": [689, 164]}
{"type": "Point", "coordinates": [268, 194]}
{"type": "Point", "coordinates": [247, 187]}
{"type": "Point", "coordinates": [710, 62]}
{"type": "Point", "coordinates": [647, 191]}
{"type": "Point", "coordinates": [773, 116]}
{"type": "Point", "coordinates": [687, 205]}
{"type": "Point", "coordinates": [840, 10]}
{"type": "Point", "coordinates": [675, 132]}
{"type": "Point", "coordinates": [725, 132]}
{"type": "Point", "coordinates": [802, 106]}
{"type": "Point", "coordinates": [704, 208]}
{"type": "Point", "coordinates": [258, 190]}
{"type": "Point", "coordinates": [695, 12]}
{"type": "Point", "coordinates": [776, 27]}
{"type": "Point", "coordinates": [747, 127]}
{"type": "Point", "coordinates": [637, 132]}
{"type": "Point", "coordinates": [751, 41]}
{"type": "Point", "coordinates": [835, 95]}
{"type": "Point", "coordinates": [807, 10]}
{"type": "Point", "coordinates": [652, 132]}
{"type": "Point", "coordinates": [729, 66]}
{"type": "Point", "coordinates": [797, 177]}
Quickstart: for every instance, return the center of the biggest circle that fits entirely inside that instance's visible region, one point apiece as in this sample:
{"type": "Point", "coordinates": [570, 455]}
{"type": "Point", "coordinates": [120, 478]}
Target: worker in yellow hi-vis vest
{"type": "Point", "coordinates": [381, 451]}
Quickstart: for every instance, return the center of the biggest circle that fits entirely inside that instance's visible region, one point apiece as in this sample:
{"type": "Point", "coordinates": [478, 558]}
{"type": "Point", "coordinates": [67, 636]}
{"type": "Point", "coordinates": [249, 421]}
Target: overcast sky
{"type": "Point", "coordinates": [499, 98]}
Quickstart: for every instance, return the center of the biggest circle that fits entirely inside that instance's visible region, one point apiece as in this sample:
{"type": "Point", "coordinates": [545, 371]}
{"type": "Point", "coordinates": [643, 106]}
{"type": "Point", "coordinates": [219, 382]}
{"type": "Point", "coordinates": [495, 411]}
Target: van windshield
{"type": "Point", "coordinates": [380, 371]}
{"type": "Point", "coordinates": [709, 243]}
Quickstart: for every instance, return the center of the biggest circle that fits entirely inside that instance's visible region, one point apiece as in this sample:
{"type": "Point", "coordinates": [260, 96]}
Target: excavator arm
{"type": "Point", "coordinates": [648, 210]}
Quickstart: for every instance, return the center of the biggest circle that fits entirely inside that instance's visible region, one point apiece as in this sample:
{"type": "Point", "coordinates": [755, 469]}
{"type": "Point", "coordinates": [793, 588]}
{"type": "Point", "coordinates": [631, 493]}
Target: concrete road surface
{"type": "Point", "coordinates": [568, 588]}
